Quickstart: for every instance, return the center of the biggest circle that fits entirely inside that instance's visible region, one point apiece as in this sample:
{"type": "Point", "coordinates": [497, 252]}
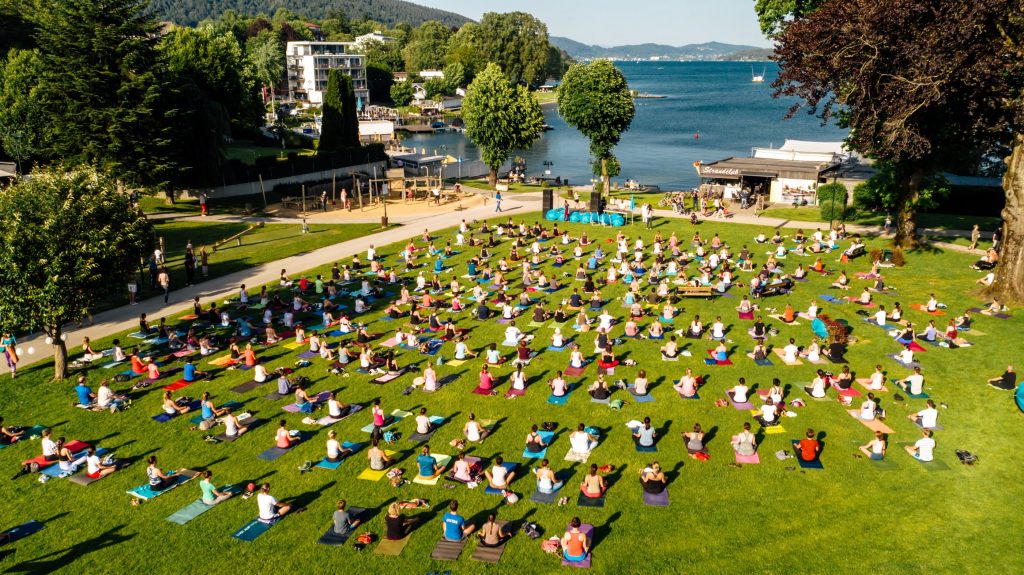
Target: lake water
{"type": "Point", "coordinates": [716, 100]}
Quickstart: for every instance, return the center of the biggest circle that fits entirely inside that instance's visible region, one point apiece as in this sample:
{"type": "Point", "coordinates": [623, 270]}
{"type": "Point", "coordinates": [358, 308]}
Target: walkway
{"type": "Point", "coordinates": [225, 287]}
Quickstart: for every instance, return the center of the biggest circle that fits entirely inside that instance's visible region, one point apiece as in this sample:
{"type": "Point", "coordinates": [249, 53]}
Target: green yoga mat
{"type": "Point", "coordinates": [197, 507]}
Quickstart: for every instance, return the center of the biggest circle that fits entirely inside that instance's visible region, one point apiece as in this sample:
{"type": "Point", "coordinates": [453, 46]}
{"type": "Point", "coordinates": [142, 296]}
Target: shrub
{"type": "Point", "coordinates": [838, 331]}
{"type": "Point", "coordinates": [897, 257]}
{"type": "Point", "coordinates": [876, 255]}
{"type": "Point", "coordinates": [832, 201]}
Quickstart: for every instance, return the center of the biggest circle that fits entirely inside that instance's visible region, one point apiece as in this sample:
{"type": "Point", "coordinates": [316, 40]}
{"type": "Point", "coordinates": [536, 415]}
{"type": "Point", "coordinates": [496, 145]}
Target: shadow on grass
{"type": "Point", "coordinates": [56, 560]}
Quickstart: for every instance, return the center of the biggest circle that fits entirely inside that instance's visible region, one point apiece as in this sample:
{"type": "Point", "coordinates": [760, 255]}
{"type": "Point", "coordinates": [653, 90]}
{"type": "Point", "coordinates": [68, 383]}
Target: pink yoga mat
{"type": "Point", "coordinates": [748, 459]}
{"type": "Point", "coordinates": [575, 371]}
{"type": "Point", "coordinates": [745, 406]}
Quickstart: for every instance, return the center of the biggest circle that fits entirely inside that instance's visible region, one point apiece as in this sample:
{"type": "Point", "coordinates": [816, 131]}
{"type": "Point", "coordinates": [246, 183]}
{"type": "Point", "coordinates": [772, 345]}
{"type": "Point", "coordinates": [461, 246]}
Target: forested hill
{"type": "Point", "coordinates": [388, 12]}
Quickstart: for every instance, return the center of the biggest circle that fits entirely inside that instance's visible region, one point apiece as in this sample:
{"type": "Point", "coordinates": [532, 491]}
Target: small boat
{"type": "Point", "coordinates": [755, 78]}
{"type": "Point", "coordinates": [547, 127]}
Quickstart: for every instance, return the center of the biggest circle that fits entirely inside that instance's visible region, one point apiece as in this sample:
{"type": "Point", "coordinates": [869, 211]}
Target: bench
{"type": "Point", "coordinates": [699, 291]}
{"type": "Point", "coordinates": [238, 237]}
{"type": "Point", "coordinates": [855, 252]}
{"type": "Point", "coordinates": [783, 287]}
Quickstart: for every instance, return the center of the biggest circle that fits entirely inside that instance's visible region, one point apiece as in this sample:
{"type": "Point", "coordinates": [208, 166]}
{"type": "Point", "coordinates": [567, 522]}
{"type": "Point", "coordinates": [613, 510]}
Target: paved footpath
{"type": "Point", "coordinates": [225, 287]}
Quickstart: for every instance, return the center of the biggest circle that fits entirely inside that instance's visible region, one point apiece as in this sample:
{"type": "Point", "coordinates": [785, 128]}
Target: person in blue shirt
{"type": "Point", "coordinates": [471, 268]}
{"type": "Point", "coordinates": [453, 525]}
{"type": "Point", "coordinates": [190, 373]}
{"type": "Point", "coordinates": [592, 263]}
{"type": "Point", "coordinates": [429, 469]}
{"type": "Point", "coordinates": [85, 395]}
{"type": "Point", "coordinates": [438, 265]}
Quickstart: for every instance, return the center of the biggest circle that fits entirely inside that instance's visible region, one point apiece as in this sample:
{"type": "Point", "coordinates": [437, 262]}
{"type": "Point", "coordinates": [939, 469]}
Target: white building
{"type": "Point", "coordinates": [309, 62]}
{"type": "Point", "coordinates": [428, 74]}
{"type": "Point", "coordinates": [375, 36]}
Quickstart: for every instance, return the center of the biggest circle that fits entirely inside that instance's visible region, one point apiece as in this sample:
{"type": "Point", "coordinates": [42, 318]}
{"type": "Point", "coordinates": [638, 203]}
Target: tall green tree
{"type": "Point", "coordinates": [69, 239]}
{"type": "Point", "coordinates": [379, 79]}
{"type": "Point", "coordinates": [773, 15]}
{"type": "Point", "coordinates": [21, 126]}
{"type": "Point", "coordinates": [595, 99]}
{"type": "Point", "coordinates": [382, 54]}
{"type": "Point", "coordinates": [914, 81]}
{"type": "Point", "coordinates": [426, 49]}
{"type": "Point", "coordinates": [401, 93]}
{"type": "Point", "coordinates": [517, 42]}
{"type": "Point", "coordinates": [339, 129]}
{"type": "Point", "coordinates": [265, 54]}
{"type": "Point", "coordinates": [463, 49]}
{"type": "Point", "coordinates": [500, 118]}
{"type": "Point", "coordinates": [99, 86]}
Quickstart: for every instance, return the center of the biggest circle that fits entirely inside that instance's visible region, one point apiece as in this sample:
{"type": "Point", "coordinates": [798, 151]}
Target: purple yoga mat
{"type": "Point", "coordinates": [656, 500]}
{"type": "Point", "coordinates": [321, 397]}
{"type": "Point", "coordinates": [308, 355]}
{"type": "Point", "coordinates": [588, 530]}
{"type": "Point", "coordinates": [745, 406]}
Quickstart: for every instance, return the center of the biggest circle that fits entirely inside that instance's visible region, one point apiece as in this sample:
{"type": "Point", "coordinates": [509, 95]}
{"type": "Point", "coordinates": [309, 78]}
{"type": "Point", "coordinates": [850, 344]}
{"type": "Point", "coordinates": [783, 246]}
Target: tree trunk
{"type": "Point", "coordinates": [605, 179]}
{"type": "Point", "coordinates": [906, 209]}
{"type": "Point", "coordinates": [60, 353]}
{"type": "Point", "coordinates": [1009, 283]}
{"type": "Point", "coordinates": [492, 177]}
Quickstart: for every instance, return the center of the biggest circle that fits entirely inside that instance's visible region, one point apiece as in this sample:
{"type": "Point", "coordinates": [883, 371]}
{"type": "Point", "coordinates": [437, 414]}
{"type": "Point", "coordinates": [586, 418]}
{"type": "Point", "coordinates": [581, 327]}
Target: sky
{"type": "Point", "coordinates": [618, 22]}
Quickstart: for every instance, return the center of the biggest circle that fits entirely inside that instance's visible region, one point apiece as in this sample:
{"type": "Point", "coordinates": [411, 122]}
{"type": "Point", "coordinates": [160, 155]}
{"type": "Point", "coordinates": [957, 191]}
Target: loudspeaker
{"type": "Point", "coordinates": [549, 199]}
{"type": "Point", "coordinates": [595, 203]}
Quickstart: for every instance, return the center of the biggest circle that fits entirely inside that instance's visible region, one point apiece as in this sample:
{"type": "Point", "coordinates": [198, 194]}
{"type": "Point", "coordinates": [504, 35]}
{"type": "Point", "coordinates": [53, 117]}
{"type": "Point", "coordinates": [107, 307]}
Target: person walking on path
{"type": "Point", "coordinates": [975, 236]}
{"type": "Point", "coordinates": [323, 200]}
{"type": "Point", "coordinates": [204, 261]}
{"type": "Point", "coordinates": [202, 203]}
{"type": "Point", "coordinates": [133, 288]}
{"type": "Point", "coordinates": [497, 201]}
{"type": "Point", "coordinates": [164, 279]}
{"type": "Point", "coordinates": [153, 272]}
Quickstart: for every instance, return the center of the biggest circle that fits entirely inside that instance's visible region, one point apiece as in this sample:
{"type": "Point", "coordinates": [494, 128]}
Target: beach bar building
{"type": "Point", "coordinates": [789, 174]}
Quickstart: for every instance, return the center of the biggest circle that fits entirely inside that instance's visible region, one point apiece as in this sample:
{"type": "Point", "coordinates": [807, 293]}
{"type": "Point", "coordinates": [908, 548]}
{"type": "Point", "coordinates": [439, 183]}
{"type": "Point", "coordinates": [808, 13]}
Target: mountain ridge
{"type": "Point", "coordinates": [388, 12]}
{"type": "Point", "coordinates": [702, 51]}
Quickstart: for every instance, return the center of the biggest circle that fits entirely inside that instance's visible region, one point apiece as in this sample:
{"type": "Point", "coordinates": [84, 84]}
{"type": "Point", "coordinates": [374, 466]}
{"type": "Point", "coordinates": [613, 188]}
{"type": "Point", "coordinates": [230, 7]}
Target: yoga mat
{"type": "Point", "coordinates": [221, 361]}
{"type": "Point", "coordinates": [441, 460]}
{"type": "Point", "coordinates": [197, 507]}
{"type": "Point", "coordinates": [782, 356]}
{"type": "Point", "coordinates": [436, 421]}
{"type": "Point", "coordinates": [575, 371]}
{"type": "Point", "coordinates": [276, 452]}
{"type": "Point", "coordinates": [576, 456]}
{"type": "Point", "coordinates": [588, 530]}
{"type": "Point", "coordinates": [371, 475]}
{"type": "Point", "coordinates": [933, 465]}
{"type": "Point", "coordinates": [448, 550]}
{"type": "Point", "coordinates": [866, 384]}
{"type": "Point", "coordinates": [584, 501]}
{"type": "Point", "coordinates": [199, 418]}
{"type": "Point", "coordinates": [249, 422]}
{"type": "Point", "coordinates": [24, 530]}
{"type": "Point", "coordinates": [873, 425]}
{"type": "Point", "coordinates": [747, 459]}
{"type": "Point", "coordinates": [181, 477]}
{"type": "Point", "coordinates": [320, 398]}
{"type": "Point", "coordinates": [816, 464]}
{"type": "Point", "coordinates": [745, 406]}
{"type": "Point", "coordinates": [553, 399]}
{"type": "Point", "coordinates": [488, 554]}
{"type": "Point", "coordinates": [247, 386]}
{"type": "Point", "coordinates": [332, 538]}
{"type": "Point", "coordinates": [919, 426]}
{"type": "Point", "coordinates": [647, 398]}
{"type": "Point", "coordinates": [546, 437]}
{"type": "Point", "coordinates": [481, 391]}
{"type": "Point", "coordinates": [308, 355]}
{"type": "Point", "coordinates": [605, 401]}
{"type": "Point", "coordinates": [397, 416]}
{"type": "Point", "coordinates": [331, 465]}
{"type": "Point", "coordinates": [764, 362]}
{"type": "Point", "coordinates": [78, 460]}
{"type": "Point", "coordinates": [545, 498]}
{"type": "Point", "coordinates": [456, 362]}
{"type": "Point", "coordinates": [656, 499]}
{"type": "Point", "coordinates": [645, 448]}
{"type": "Point", "coordinates": [391, 547]}
{"type": "Point", "coordinates": [695, 395]}
{"type": "Point", "coordinates": [252, 530]}
{"type": "Point", "coordinates": [774, 429]}
{"type": "Point", "coordinates": [508, 465]}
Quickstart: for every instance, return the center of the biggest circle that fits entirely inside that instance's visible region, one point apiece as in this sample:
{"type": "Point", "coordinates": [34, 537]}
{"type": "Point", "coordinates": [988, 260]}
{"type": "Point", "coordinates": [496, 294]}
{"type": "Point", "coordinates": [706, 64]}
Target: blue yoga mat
{"type": "Point", "coordinates": [560, 400]}
{"type": "Point", "coordinates": [816, 464]}
{"type": "Point", "coordinates": [355, 447]}
{"type": "Point", "coordinates": [24, 530]}
{"type": "Point", "coordinates": [511, 467]}
{"type": "Point", "coordinates": [252, 530]}
{"type": "Point", "coordinates": [546, 437]}
{"type": "Point", "coordinates": [54, 470]}
{"type": "Point", "coordinates": [146, 492]}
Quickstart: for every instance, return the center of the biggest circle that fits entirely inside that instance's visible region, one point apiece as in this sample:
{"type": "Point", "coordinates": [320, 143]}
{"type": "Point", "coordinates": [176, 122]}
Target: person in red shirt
{"type": "Point", "coordinates": [809, 447]}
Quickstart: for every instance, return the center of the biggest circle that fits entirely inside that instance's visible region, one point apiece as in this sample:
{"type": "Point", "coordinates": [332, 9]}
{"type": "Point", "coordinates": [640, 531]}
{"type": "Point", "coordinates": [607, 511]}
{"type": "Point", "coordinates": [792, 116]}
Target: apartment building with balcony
{"type": "Point", "coordinates": [309, 62]}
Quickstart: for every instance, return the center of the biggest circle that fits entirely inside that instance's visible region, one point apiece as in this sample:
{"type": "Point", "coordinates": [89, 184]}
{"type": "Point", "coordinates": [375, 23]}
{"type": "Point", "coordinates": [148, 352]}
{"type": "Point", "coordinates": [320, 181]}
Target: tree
{"type": "Point", "coordinates": [464, 50]}
{"type": "Point", "coordinates": [99, 86]}
{"type": "Point", "coordinates": [69, 239]}
{"type": "Point", "coordinates": [21, 127]}
{"type": "Point", "coordinates": [912, 80]}
{"type": "Point", "coordinates": [517, 42]}
{"type": "Point", "coordinates": [454, 77]}
{"type": "Point", "coordinates": [773, 15]}
{"type": "Point", "coordinates": [595, 99]}
{"type": "Point", "coordinates": [340, 125]}
{"type": "Point", "coordinates": [426, 50]}
{"type": "Point", "coordinates": [383, 54]}
{"type": "Point", "coordinates": [401, 93]}
{"type": "Point", "coordinates": [265, 53]}
{"type": "Point", "coordinates": [378, 81]}
{"type": "Point", "coordinates": [435, 88]}
{"type": "Point", "coordinates": [499, 118]}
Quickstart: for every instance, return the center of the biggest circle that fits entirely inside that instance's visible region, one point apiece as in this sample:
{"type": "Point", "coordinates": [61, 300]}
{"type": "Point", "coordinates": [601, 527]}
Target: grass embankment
{"type": "Point", "coordinates": [768, 518]}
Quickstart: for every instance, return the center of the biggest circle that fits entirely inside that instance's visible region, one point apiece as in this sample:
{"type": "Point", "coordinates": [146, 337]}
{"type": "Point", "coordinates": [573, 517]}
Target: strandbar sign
{"type": "Point", "coordinates": [712, 171]}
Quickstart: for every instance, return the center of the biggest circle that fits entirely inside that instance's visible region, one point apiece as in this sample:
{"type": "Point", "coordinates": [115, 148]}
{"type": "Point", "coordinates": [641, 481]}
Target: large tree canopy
{"type": "Point", "coordinates": [98, 90]}
{"type": "Point", "coordinates": [773, 15]}
{"type": "Point", "coordinates": [69, 239]}
{"type": "Point", "coordinates": [515, 41]}
{"type": "Point", "coordinates": [340, 124]}
{"type": "Point", "coordinates": [918, 83]}
{"type": "Point", "coordinates": [595, 98]}
{"type": "Point", "coordinates": [500, 118]}
{"type": "Point", "coordinates": [426, 50]}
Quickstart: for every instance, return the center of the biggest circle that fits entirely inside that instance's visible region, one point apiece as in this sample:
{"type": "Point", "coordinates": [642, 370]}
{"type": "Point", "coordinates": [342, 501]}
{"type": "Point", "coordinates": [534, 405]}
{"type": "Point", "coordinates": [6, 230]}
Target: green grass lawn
{"type": "Point", "coordinates": [851, 517]}
{"type": "Point", "coordinates": [924, 219]}
{"type": "Point", "coordinates": [269, 243]}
